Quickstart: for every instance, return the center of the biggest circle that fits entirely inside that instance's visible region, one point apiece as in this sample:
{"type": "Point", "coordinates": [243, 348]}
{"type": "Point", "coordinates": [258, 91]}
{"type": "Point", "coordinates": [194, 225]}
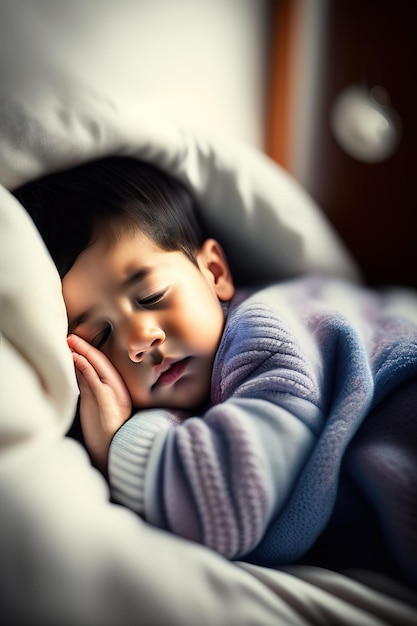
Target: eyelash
{"type": "Point", "coordinates": [152, 300]}
{"type": "Point", "coordinates": [104, 334]}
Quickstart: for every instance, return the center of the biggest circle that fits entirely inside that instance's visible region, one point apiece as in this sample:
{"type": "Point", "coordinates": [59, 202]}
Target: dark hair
{"type": "Point", "coordinates": [108, 196]}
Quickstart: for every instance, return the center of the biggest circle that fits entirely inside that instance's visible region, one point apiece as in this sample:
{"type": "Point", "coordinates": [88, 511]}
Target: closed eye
{"type": "Point", "coordinates": [101, 338]}
{"type": "Point", "coordinates": [153, 299]}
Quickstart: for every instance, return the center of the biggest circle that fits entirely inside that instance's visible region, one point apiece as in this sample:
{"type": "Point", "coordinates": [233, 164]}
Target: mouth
{"type": "Point", "coordinates": [171, 374]}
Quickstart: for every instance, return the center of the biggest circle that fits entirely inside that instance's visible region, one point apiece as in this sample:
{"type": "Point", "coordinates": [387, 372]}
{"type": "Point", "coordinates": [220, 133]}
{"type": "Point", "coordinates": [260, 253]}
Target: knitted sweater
{"type": "Point", "coordinates": [299, 367]}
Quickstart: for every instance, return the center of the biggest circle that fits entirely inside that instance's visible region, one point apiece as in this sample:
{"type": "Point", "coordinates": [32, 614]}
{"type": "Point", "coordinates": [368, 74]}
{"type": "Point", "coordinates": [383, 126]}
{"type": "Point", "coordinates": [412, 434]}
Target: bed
{"type": "Point", "coordinates": [68, 555]}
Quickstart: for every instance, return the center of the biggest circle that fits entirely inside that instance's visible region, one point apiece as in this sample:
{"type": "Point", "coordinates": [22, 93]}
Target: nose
{"type": "Point", "coordinates": [141, 338]}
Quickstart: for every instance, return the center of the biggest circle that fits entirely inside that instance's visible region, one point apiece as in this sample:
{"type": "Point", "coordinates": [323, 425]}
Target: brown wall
{"type": "Point", "coordinates": [372, 205]}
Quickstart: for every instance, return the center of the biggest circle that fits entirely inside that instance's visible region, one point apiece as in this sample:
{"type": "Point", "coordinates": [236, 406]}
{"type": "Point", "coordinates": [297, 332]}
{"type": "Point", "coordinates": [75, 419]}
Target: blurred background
{"type": "Point", "coordinates": [342, 119]}
{"type": "Point", "coordinates": [327, 88]}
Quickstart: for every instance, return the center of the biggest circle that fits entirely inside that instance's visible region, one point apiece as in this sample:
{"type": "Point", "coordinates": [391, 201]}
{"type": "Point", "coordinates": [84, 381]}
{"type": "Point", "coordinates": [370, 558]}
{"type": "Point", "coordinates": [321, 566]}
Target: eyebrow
{"type": "Point", "coordinates": [131, 279]}
{"type": "Point", "coordinates": [136, 276]}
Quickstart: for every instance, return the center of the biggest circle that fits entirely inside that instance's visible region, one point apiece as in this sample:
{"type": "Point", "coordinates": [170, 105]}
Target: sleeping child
{"type": "Point", "coordinates": [271, 424]}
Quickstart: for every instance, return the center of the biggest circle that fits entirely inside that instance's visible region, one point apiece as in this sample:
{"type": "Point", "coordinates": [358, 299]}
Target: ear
{"type": "Point", "coordinates": [213, 263]}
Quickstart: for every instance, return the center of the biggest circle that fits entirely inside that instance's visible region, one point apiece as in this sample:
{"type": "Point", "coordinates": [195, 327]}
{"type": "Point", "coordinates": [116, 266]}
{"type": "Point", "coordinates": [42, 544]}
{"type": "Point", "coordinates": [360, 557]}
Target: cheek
{"type": "Point", "coordinates": [203, 325]}
{"type": "Point", "coordinates": [126, 368]}
{"type": "Point", "coordinates": [133, 379]}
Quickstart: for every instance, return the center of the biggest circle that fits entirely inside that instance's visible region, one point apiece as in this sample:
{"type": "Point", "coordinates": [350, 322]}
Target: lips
{"type": "Point", "coordinates": [172, 374]}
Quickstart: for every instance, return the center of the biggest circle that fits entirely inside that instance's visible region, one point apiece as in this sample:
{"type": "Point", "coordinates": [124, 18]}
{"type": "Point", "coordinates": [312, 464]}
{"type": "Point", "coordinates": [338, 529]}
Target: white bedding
{"type": "Point", "coordinates": [68, 556]}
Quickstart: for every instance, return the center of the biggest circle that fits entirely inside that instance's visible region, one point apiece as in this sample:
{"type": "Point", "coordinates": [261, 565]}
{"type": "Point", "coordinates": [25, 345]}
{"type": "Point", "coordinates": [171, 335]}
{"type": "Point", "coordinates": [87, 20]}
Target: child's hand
{"type": "Point", "coordinates": [105, 403]}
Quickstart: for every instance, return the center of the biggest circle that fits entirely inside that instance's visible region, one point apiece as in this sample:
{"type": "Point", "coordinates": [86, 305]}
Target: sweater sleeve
{"type": "Point", "coordinates": [130, 455]}
{"type": "Point", "coordinates": [219, 478]}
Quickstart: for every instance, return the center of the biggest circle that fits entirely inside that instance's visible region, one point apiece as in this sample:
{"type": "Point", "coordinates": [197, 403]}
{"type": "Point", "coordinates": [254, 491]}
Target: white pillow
{"type": "Point", "coordinates": [249, 201]}
{"type": "Point", "coordinates": [38, 389]}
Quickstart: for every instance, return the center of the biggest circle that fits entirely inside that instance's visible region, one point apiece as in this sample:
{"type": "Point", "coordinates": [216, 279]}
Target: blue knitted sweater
{"type": "Point", "coordinates": [300, 366]}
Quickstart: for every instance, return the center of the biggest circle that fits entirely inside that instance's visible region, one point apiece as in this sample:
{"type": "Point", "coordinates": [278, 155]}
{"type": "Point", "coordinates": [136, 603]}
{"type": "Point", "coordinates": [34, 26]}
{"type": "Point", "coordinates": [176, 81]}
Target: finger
{"type": "Point", "coordinates": [97, 380]}
{"type": "Point", "coordinates": [80, 345]}
{"type": "Point", "coordinates": [86, 374]}
{"type": "Point", "coordinates": [102, 365]}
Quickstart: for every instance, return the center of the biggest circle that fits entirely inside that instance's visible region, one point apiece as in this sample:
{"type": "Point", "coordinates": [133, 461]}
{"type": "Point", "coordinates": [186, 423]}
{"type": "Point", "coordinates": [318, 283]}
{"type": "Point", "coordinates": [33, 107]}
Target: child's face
{"type": "Point", "coordinates": [154, 314]}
